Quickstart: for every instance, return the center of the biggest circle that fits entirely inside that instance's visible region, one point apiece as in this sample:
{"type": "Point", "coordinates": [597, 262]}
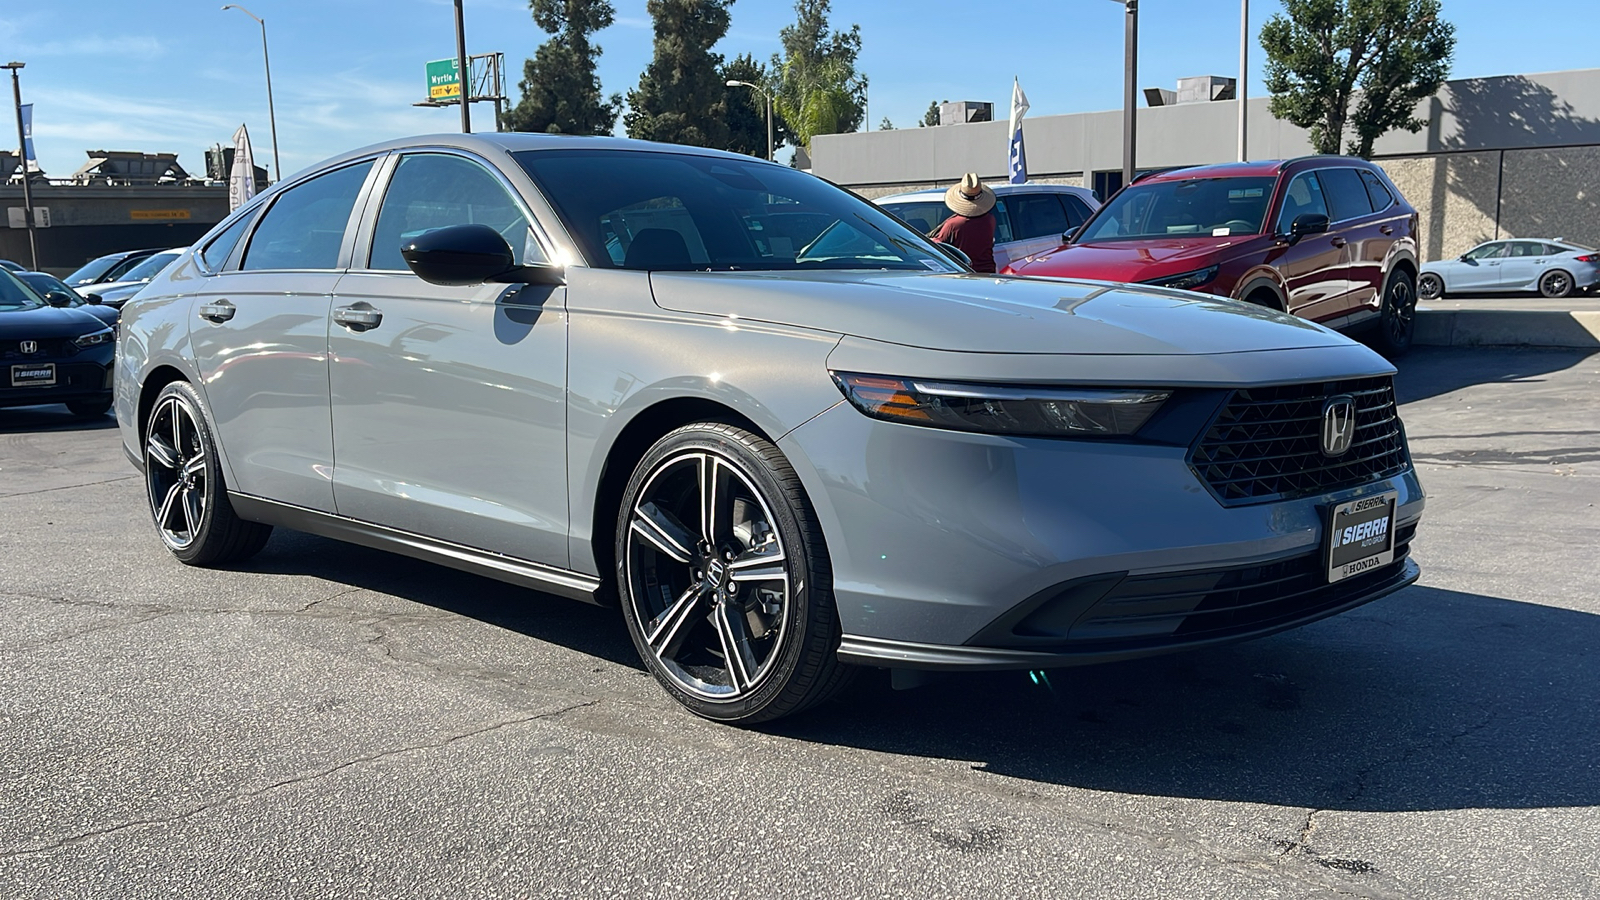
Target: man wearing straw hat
{"type": "Point", "coordinates": [971, 229]}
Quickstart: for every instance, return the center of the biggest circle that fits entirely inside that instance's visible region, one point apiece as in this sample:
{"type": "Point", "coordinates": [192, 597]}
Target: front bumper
{"type": "Point", "coordinates": [941, 542]}
{"type": "Point", "coordinates": [77, 378]}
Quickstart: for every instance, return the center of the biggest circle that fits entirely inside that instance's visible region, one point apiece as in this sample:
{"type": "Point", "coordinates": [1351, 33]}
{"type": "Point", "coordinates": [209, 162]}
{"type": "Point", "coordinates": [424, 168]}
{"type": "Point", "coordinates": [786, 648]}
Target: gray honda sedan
{"type": "Point", "coordinates": [783, 432]}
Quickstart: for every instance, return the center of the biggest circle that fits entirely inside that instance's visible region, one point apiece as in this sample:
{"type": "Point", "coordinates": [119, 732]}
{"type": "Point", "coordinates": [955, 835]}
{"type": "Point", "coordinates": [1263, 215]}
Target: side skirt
{"type": "Point", "coordinates": [521, 572]}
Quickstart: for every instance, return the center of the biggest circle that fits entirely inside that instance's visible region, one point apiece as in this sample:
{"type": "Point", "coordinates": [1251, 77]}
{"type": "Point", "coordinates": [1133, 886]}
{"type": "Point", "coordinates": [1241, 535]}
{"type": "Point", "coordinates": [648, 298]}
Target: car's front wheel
{"type": "Point", "coordinates": [1397, 322]}
{"type": "Point", "coordinates": [1430, 286]}
{"type": "Point", "coordinates": [1555, 284]}
{"type": "Point", "coordinates": [724, 577]}
{"type": "Point", "coordinates": [183, 479]}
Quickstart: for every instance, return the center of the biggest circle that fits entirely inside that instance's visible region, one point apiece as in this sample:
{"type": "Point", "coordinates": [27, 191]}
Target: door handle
{"type": "Point", "coordinates": [358, 317]}
{"type": "Point", "coordinates": [1386, 229]}
{"type": "Point", "coordinates": [1339, 242]}
{"type": "Point", "coordinates": [220, 311]}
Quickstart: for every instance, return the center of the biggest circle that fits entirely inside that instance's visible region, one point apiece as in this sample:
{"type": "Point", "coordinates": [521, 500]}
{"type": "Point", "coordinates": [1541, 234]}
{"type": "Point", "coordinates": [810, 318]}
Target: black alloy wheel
{"type": "Point", "coordinates": [1430, 286]}
{"type": "Point", "coordinates": [1555, 284]}
{"type": "Point", "coordinates": [1398, 320]}
{"type": "Point", "coordinates": [724, 579]}
{"type": "Point", "coordinates": [183, 480]}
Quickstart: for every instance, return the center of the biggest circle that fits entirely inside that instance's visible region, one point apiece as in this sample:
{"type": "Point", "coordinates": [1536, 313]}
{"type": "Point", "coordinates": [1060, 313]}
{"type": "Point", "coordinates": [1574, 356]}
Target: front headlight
{"type": "Point", "coordinates": [1184, 281]}
{"type": "Point", "coordinates": [995, 409]}
{"type": "Point", "coordinates": [104, 336]}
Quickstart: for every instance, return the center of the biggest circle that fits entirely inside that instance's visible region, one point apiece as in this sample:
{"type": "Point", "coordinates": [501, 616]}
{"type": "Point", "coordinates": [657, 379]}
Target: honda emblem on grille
{"type": "Point", "coordinates": [1338, 425]}
{"type": "Point", "coordinates": [30, 347]}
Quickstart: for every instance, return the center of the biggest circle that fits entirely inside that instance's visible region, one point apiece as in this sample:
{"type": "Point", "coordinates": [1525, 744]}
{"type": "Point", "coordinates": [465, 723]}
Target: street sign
{"type": "Point", "coordinates": [16, 216]}
{"type": "Point", "coordinates": [444, 80]}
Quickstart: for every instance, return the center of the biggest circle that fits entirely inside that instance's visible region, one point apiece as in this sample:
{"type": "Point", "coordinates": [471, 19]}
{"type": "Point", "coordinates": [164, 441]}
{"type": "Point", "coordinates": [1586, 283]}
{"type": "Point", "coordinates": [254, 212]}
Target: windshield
{"type": "Point", "coordinates": [44, 283]}
{"type": "Point", "coordinates": [14, 294]}
{"type": "Point", "coordinates": [631, 209]}
{"type": "Point", "coordinates": [151, 267]}
{"type": "Point", "coordinates": [1208, 206]}
{"type": "Point", "coordinates": [93, 270]}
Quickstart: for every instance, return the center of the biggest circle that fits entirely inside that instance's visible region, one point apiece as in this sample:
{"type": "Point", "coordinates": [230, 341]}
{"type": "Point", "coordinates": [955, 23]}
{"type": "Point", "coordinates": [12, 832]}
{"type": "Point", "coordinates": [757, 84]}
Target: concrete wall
{"type": "Point", "coordinates": [87, 221]}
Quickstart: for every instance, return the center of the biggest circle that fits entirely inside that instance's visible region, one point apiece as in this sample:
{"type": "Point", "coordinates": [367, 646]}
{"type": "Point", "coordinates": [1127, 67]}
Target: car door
{"type": "Point", "coordinates": [1366, 235]}
{"type": "Point", "coordinates": [1522, 265]}
{"type": "Point", "coordinates": [1037, 222]}
{"type": "Point", "coordinates": [1479, 268]}
{"type": "Point", "coordinates": [449, 401]}
{"type": "Point", "coordinates": [1313, 268]}
{"type": "Point", "coordinates": [260, 338]}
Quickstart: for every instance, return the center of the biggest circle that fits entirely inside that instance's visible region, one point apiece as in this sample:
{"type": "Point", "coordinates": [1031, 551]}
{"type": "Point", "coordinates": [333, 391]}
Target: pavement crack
{"type": "Point", "coordinates": [345, 593]}
{"type": "Point", "coordinates": [68, 487]}
{"type": "Point", "coordinates": [241, 796]}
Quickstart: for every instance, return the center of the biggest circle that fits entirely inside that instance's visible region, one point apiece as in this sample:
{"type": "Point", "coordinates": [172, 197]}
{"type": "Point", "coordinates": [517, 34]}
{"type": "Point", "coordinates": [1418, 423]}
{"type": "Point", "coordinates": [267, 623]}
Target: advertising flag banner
{"type": "Point", "coordinates": [1018, 163]}
{"type": "Point", "coordinates": [27, 133]}
{"type": "Point", "coordinates": [242, 178]}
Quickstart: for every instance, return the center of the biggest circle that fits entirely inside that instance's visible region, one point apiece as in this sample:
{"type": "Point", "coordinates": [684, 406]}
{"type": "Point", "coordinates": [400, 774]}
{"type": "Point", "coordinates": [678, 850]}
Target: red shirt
{"type": "Point", "coordinates": [974, 237]}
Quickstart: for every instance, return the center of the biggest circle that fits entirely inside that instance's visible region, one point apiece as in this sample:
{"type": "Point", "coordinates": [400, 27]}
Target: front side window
{"type": "Point", "coordinates": [435, 190]}
{"type": "Point", "coordinates": [305, 226]}
{"type": "Point", "coordinates": [1037, 215]}
{"type": "Point", "coordinates": [647, 210]}
{"type": "Point", "coordinates": [1214, 207]}
{"type": "Point", "coordinates": [1346, 194]}
{"type": "Point", "coordinates": [1495, 250]}
{"type": "Point", "coordinates": [216, 253]}
{"type": "Point", "coordinates": [1304, 197]}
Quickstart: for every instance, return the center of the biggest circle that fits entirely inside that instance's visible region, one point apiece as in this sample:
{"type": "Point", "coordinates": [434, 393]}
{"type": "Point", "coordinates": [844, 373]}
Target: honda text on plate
{"type": "Point", "coordinates": [603, 369]}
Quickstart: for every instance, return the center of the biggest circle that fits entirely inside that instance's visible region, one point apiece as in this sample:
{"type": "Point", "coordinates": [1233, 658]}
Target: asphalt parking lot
{"type": "Point", "coordinates": [335, 721]}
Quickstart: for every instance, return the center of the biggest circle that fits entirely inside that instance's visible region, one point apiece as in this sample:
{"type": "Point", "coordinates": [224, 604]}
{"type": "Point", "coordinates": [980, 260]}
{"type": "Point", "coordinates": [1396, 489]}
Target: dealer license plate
{"type": "Point", "coordinates": [37, 375]}
{"type": "Point", "coordinates": [1361, 536]}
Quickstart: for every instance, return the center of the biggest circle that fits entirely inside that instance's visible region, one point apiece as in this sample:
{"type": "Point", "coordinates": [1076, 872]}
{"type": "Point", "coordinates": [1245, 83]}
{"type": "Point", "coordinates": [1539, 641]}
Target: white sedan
{"type": "Point", "coordinates": [1553, 268]}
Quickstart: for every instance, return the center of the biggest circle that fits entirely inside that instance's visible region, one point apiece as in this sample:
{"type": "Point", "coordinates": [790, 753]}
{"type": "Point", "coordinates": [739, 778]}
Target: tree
{"type": "Point", "coordinates": [817, 88]}
{"type": "Point", "coordinates": [560, 91]}
{"type": "Point", "coordinates": [886, 125]}
{"type": "Point", "coordinates": [931, 117]}
{"type": "Point", "coordinates": [682, 96]}
{"type": "Point", "coordinates": [1320, 52]}
{"type": "Point", "coordinates": [745, 111]}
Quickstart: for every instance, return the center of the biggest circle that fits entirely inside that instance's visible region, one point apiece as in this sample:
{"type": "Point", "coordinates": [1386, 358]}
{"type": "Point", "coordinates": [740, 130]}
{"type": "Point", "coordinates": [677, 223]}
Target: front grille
{"type": "Point", "coordinates": [1173, 609]}
{"type": "Point", "coordinates": [49, 348]}
{"type": "Point", "coordinates": [1266, 443]}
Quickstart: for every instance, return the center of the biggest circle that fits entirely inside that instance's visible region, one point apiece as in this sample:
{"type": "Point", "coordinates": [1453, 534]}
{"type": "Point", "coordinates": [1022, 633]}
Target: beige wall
{"type": "Point", "coordinates": [1454, 196]}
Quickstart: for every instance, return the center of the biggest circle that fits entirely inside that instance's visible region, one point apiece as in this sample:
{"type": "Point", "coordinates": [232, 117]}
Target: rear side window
{"type": "Point", "coordinates": [1036, 215]}
{"type": "Point", "coordinates": [932, 213]}
{"type": "Point", "coordinates": [1527, 248]}
{"type": "Point", "coordinates": [1304, 197]}
{"type": "Point", "coordinates": [216, 253]}
{"type": "Point", "coordinates": [1377, 192]}
{"type": "Point", "coordinates": [305, 226]}
{"type": "Point", "coordinates": [1346, 193]}
{"type": "Point", "coordinates": [433, 190]}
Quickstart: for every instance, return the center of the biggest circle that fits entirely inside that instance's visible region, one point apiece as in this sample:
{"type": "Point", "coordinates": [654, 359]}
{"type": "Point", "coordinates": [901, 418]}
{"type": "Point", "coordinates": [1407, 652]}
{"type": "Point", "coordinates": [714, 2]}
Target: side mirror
{"type": "Point", "coordinates": [470, 254]}
{"type": "Point", "coordinates": [93, 299]}
{"type": "Point", "coordinates": [1464, 258]}
{"type": "Point", "coordinates": [1307, 224]}
{"type": "Point", "coordinates": [955, 253]}
{"type": "Point", "coordinates": [59, 299]}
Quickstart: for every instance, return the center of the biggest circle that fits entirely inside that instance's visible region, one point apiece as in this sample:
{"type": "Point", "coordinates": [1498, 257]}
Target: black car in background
{"type": "Point", "coordinates": [51, 354]}
{"type": "Point", "coordinates": [56, 292]}
{"type": "Point", "coordinates": [108, 268]}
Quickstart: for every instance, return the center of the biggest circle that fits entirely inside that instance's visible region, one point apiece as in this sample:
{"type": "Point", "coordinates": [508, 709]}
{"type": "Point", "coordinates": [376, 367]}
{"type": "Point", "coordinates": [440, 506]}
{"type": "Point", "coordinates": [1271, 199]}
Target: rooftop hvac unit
{"type": "Point", "coordinates": [960, 112]}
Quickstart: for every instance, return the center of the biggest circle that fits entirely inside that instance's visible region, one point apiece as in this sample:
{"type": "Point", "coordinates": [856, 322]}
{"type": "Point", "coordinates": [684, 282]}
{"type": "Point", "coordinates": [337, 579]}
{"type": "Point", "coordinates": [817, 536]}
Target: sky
{"type": "Point", "coordinates": [181, 75]}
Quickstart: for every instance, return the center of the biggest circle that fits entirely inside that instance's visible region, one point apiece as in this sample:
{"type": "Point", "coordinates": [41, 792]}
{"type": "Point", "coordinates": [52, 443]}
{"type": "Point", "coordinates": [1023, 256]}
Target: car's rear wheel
{"type": "Point", "coordinates": [1397, 322]}
{"type": "Point", "coordinates": [183, 480]}
{"type": "Point", "coordinates": [1430, 286]}
{"type": "Point", "coordinates": [724, 577]}
{"type": "Point", "coordinates": [1555, 284]}
{"type": "Point", "coordinates": [89, 409]}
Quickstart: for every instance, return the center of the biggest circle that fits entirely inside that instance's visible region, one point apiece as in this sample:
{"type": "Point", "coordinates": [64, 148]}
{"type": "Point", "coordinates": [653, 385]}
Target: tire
{"type": "Point", "coordinates": [1555, 284]}
{"type": "Point", "coordinates": [1397, 320]}
{"type": "Point", "coordinates": [735, 618]}
{"type": "Point", "coordinates": [89, 409]}
{"type": "Point", "coordinates": [1429, 286]}
{"type": "Point", "coordinates": [183, 481]}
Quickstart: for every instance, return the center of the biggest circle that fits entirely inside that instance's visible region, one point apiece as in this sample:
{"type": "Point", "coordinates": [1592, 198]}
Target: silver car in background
{"type": "Point", "coordinates": [1553, 268]}
{"type": "Point", "coordinates": [1029, 218]}
{"type": "Point", "coordinates": [784, 433]}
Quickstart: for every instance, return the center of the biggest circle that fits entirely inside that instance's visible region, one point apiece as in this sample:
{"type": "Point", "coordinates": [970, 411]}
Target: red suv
{"type": "Point", "coordinates": [1327, 238]}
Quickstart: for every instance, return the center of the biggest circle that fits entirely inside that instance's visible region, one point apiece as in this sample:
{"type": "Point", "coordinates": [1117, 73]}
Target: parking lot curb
{"type": "Point", "coordinates": [1508, 328]}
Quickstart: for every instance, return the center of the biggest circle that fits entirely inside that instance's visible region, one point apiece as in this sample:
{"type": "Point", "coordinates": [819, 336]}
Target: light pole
{"type": "Point", "coordinates": [1244, 72]}
{"type": "Point", "coordinates": [466, 73]}
{"type": "Point", "coordinates": [1130, 103]}
{"type": "Point", "coordinates": [22, 153]}
{"type": "Point", "coordinates": [768, 98]}
{"type": "Point", "coordinates": [272, 115]}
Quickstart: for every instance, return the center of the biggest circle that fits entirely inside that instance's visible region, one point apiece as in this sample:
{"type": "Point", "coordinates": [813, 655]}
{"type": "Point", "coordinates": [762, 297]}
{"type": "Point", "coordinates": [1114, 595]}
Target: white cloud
{"type": "Point", "coordinates": [127, 46]}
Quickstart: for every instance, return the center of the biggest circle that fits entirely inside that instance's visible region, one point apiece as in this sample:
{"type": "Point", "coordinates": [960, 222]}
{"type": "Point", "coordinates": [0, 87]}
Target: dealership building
{"type": "Point", "coordinates": [1509, 156]}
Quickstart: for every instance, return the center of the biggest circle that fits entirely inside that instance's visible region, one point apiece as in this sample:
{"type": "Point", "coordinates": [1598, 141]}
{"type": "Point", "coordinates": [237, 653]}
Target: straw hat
{"type": "Point", "coordinates": [970, 198]}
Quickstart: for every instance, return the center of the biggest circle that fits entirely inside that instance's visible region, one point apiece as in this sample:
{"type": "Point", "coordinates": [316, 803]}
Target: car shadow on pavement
{"type": "Point", "coordinates": [584, 627]}
{"type": "Point", "coordinates": [1429, 699]}
{"type": "Point", "coordinates": [21, 419]}
{"type": "Point", "coordinates": [1430, 371]}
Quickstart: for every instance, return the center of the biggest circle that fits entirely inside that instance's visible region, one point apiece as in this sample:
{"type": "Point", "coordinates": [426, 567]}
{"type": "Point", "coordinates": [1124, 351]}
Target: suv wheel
{"type": "Point", "coordinates": [724, 577]}
{"type": "Point", "coordinates": [183, 480]}
{"type": "Point", "coordinates": [1555, 284]}
{"type": "Point", "coordinates": [1397, 323]}
{"type": "Point", "coordinates": [1430, 287]}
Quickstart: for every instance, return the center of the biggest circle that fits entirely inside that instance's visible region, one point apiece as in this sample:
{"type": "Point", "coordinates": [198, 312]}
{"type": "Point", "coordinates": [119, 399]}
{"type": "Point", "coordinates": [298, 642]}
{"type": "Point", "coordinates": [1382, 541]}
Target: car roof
{"type": "Point", "coordinates": [1000, 190]}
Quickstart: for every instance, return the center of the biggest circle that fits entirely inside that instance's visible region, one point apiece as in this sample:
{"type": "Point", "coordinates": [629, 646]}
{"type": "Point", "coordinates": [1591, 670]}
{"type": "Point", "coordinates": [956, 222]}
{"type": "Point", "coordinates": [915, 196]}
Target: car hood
{"type": "Point", "coordinates": [1131, 260]}
{"type": "Point", "coordinates": [989, 314]}
{"type": "Point", "coordinates": [47, 322]}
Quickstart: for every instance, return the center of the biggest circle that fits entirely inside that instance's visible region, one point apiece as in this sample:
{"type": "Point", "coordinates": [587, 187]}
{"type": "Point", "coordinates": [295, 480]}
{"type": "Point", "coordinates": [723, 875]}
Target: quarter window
{"type": "Point", "coordinates": [306, 224]}
{"type": "Point", "coordinates": [216, 253]}
{"type": "Point", "coordinates": [1346, 194]}
{"type": "Point", "coordinates": [435, 190]}
{"type": "Point", "coordinates": [1304, 197]}
{"type": "Point", "coordinates": [1078, 212]}
{"type": "Point", "coordinates": [1036, 215]}
{"type": "Point", "coordinates": [1377, 192]}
